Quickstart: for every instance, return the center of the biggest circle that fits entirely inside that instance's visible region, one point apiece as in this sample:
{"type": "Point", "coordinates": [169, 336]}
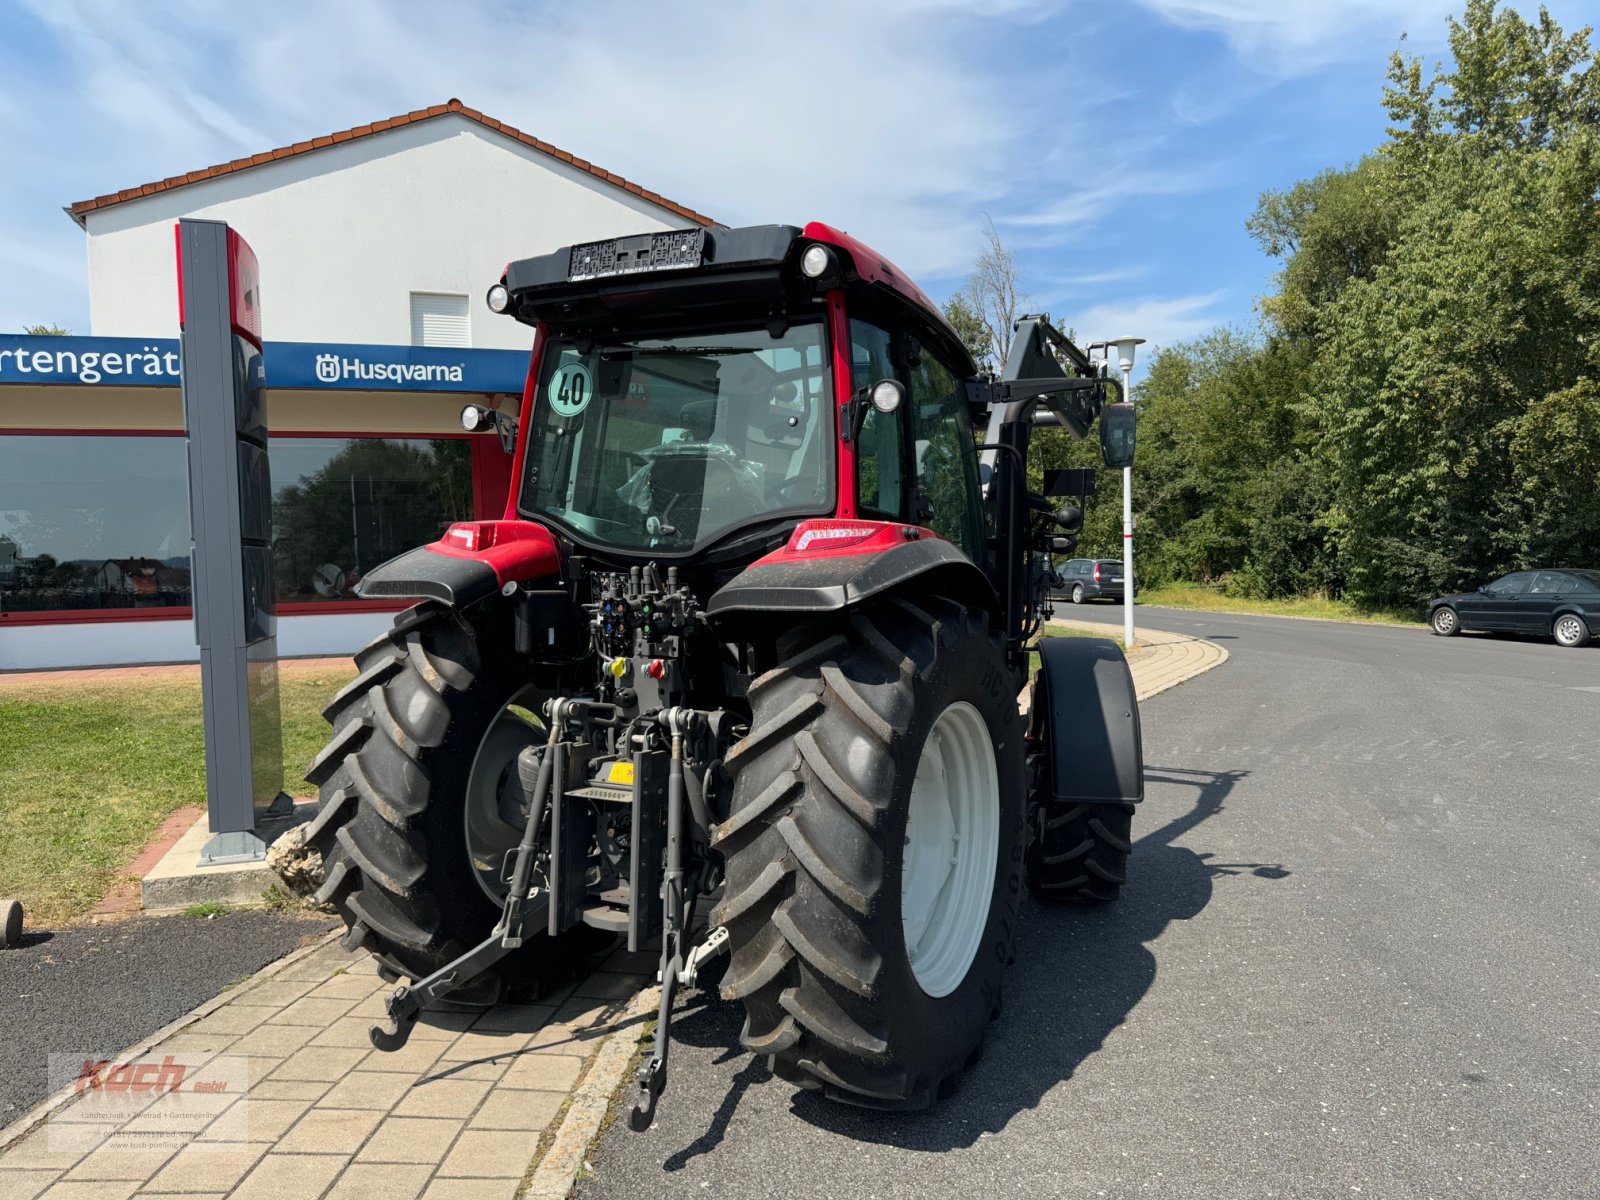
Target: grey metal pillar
{"type": "Point", "coordinates": [230, 504]}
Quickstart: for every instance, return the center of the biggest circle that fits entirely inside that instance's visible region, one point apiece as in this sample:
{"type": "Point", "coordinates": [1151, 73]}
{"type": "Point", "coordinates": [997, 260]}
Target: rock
{"type": "Point", "coordinates": [297, 864]}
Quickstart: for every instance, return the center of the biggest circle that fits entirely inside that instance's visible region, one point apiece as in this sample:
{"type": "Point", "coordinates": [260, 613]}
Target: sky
{"type": "Point", "coordinates": [1118, 147]}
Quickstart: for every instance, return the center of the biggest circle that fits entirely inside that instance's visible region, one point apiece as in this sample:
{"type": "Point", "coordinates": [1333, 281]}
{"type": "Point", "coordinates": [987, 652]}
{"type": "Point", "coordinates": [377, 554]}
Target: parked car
{"type": "Point", "coordinates": [1563, 604]}
{"type": "Point", "coordinates": [1086, 579]}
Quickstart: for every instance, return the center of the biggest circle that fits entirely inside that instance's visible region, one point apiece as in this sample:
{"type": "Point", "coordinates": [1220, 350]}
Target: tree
{"type": "Point", "coordinates": [46, 331]}
{"type": "Point", "coordinates": [969, 327]}
{"type": "Point", "coordinates": [991, 301]}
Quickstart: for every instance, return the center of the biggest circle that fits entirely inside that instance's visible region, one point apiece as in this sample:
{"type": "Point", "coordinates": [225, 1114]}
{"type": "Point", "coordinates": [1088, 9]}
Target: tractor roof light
{"type": "Point", "coordinates": [817, 261]}
{"type": "Point", "coordinates": [499, 298]}
{"type": "Point", "coordinates": [475, 418]}
{"type": "Point", "coordinates": [887, 395]}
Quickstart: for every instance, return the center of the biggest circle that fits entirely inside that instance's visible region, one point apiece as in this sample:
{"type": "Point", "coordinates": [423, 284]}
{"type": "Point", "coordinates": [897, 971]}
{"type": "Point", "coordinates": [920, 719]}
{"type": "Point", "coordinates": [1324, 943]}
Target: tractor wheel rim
{"type": "Point", "coordinates": [494, 792]}
{"type": "Point", "coordinates": [951, 848]}
{"type": "Point", "coordinates": [1444, 620]}
{"type": "Point", "coordinates": [1567, 630]}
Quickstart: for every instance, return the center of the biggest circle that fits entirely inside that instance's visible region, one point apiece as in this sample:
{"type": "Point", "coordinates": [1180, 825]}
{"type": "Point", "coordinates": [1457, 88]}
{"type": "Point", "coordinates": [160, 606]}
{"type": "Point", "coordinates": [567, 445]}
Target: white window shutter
{"type": "Point", "coordinates": [439, 319]}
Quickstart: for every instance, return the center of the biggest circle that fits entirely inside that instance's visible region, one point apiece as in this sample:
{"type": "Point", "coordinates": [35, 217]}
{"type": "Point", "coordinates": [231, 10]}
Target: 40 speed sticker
{"type": "Point", "coordinates": [570, 389]}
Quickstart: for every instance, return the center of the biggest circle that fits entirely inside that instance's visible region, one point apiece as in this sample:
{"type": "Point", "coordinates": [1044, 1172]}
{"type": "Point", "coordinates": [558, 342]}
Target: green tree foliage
{"type": "Point", "coordinates": [1422, 409]}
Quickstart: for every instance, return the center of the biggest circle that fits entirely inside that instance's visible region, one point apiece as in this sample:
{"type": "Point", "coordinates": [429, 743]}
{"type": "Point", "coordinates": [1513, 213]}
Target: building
{"type": "Point", "coordinates": [376, 246]}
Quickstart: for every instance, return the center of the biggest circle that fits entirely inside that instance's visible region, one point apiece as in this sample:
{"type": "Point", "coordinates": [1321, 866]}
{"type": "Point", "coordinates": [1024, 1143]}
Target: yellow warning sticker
{"type": "Point", "coordinates": [620, 772]}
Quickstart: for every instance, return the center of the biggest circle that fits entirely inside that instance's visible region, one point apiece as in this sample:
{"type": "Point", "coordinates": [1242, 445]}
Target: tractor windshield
{"type": "Point", "coordinates": [664, 444]}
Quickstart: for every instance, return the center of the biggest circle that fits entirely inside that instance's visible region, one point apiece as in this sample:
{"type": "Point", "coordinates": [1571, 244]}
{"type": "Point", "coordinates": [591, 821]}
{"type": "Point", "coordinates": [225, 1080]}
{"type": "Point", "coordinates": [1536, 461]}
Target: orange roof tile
{"type": "Point", "coordinates": [83, 207]}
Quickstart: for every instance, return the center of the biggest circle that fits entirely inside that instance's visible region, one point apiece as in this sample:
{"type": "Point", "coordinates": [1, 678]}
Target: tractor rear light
{"type": "Point", "coordinates": [499, 298]}
{"type": "Point", "coordinates": [470, 535]}
{"type": "Point", "coordinates": [832, 536]}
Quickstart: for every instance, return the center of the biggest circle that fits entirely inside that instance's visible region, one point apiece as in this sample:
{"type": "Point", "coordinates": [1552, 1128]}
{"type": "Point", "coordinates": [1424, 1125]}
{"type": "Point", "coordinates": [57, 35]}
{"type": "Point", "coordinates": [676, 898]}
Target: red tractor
{"type": "Point", "coordinates": [753, 631]}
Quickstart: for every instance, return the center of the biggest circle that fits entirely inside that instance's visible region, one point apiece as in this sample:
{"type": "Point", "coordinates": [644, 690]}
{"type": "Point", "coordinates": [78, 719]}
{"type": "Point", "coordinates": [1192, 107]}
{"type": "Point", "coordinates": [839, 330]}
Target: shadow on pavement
{"type": "Point", "coordinates": [1079, 973]}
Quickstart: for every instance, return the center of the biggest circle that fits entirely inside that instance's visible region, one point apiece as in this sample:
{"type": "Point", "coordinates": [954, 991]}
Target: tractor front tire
{"type": "Point", "coordinates": [819, 847]}
{"type": "Point", "coordinates": [393, 777]}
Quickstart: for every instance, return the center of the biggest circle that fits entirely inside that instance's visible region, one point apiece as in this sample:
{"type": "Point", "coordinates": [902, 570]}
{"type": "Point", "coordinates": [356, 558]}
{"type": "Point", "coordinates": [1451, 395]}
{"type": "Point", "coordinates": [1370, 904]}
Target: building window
{"type": "Point", "coordinates": [341, 506]}
{"type": "Point", "coordinates": [439, 319]}
{"type": "Point", "coordinates": [92, 523]}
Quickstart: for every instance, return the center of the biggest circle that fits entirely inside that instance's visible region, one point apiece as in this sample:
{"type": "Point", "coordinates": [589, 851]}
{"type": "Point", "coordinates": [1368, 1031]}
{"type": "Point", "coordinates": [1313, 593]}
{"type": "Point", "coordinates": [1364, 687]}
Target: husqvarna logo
{"type": "Point", "coordinates": [331, 368]}
{"type": "Point", "coordinates": [328, 368]}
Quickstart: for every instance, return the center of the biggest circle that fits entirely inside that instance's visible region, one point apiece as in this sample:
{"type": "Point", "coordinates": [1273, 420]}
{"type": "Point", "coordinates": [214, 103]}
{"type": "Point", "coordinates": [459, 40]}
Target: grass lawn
{"type": "Point", "coordinates": [1058, 631]}
{"type": "Point", "coordinates": [90, 770]}
{"type": "Point", "coordinates": [1209, 598]}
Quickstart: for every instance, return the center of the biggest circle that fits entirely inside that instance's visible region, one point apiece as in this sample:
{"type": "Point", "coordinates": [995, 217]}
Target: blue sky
{"type": "Point", "coordinates": [1119, 147]}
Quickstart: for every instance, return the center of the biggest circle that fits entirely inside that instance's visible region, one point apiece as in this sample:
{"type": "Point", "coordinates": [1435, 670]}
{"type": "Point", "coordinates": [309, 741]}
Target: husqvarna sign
{"type": "Point", "coordinates": [153, 362]}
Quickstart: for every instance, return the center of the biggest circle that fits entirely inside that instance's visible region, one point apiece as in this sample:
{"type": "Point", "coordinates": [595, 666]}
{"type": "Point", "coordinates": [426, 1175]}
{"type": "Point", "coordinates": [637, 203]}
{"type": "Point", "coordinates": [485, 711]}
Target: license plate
{"type": "Point", "coordinates": [620, 772]}
{"type": "Point", "coordinates": [677, 249]}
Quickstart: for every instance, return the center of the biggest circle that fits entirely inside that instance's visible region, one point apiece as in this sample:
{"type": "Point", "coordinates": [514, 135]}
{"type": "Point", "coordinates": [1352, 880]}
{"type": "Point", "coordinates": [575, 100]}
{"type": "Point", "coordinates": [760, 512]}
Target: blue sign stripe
{"type": "Point", "coordinates": [153, 362]}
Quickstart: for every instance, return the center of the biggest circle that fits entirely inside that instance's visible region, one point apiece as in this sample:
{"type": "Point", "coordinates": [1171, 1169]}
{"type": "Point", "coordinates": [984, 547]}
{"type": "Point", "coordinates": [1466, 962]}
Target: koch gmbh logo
{"type": "Point", "coordinates": [328, 368]}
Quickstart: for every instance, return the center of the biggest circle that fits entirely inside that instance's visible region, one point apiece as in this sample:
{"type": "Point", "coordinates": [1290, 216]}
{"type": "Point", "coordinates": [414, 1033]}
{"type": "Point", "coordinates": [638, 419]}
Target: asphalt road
{"type": "Point", "coordinates": [1357, 956]}
{"type": "Point", "coordinates": [92, 991]}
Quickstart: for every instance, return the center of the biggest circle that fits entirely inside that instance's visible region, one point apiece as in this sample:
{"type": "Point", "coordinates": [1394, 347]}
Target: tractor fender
{"type": "Point", "coordinates": [1085, 714]}
{"type": "Point", "coordinates": [471, 562]}
{"type": "Point", "coordinates": [787, 581]}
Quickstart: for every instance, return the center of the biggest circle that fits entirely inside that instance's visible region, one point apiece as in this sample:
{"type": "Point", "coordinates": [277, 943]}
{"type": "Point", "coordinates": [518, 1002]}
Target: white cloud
{"type": "Point", "coordinates": [1161, 321]}
{"type": "Point", "coordinates": [905, 129]}
{"type": "Point", "coordinates": [1292, 37]}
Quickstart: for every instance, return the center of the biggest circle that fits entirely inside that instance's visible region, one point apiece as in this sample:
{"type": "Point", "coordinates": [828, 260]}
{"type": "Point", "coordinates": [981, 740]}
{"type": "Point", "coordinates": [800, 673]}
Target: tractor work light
{"type": "Point", "coordinates": [475, 418]}
{"type": "Point", "coordinates": [499, 298]}
{"type": "Point", "coordinates": [887, 394]}
{"type": "Point", "coordinates": [816, 262]}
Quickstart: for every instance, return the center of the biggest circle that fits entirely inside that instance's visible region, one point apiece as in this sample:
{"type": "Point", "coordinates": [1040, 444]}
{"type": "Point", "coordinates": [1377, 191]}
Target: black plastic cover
{"type": "Point", "coordinates": [827, 584]}
{"type": "Point", "coordinates": [422, 574]}
{"type": "Point", "coordinates": [1085, 712]}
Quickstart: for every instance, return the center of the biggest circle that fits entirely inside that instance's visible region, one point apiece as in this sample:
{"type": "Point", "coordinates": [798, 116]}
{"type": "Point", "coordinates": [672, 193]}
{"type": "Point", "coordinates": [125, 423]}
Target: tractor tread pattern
{"type": "Point", "coordinates": [1080, 852]}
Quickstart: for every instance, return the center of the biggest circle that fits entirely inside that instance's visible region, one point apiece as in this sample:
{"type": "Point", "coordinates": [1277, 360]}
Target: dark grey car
{"type": "Point", "coordinates": [1562, 604]}
{"type": "Point", "coordinates": [1086, 579]}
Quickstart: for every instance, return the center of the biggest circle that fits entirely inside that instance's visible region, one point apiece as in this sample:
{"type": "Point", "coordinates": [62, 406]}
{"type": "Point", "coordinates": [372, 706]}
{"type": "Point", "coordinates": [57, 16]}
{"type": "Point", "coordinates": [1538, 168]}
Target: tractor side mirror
{"type": "Point", "coordinates": [1116, 435]}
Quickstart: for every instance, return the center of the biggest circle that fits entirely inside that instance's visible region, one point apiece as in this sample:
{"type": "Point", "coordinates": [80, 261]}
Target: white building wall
{"type": "Point", "coordinates": [345, 234]}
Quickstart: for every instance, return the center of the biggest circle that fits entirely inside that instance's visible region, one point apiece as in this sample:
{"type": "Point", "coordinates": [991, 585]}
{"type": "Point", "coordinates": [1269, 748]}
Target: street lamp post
{"type": "Point", "coordinates": [1124, 348]}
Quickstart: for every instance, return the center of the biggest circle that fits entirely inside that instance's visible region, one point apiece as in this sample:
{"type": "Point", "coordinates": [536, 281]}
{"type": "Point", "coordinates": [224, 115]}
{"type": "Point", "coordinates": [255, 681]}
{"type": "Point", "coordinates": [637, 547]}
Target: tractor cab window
{"type": "Point", "coordinates": [948, 495]}
{"type": "Point", "coordinates": [664, 444]}
{"type": "Point", "coordinates": [880, 450]}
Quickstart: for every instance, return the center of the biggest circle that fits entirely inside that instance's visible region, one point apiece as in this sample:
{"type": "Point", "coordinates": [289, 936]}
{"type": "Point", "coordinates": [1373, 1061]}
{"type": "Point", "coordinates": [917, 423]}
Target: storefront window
{"type": "Point", "coordinates": [341, 506]}
{"type": "Point", "coordinates": [92, 523]}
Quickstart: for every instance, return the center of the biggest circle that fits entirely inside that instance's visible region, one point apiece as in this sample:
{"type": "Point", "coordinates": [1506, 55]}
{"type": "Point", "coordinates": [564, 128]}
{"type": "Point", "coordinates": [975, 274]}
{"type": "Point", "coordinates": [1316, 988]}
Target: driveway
{"type": "Point", "coordinates": [1357, 956]}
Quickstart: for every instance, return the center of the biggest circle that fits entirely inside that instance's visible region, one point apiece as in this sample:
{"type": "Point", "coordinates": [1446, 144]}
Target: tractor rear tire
{"type": "Point", "coordinates": [816, 852]}
{"type": "Point", "coordinates": [393, 779]}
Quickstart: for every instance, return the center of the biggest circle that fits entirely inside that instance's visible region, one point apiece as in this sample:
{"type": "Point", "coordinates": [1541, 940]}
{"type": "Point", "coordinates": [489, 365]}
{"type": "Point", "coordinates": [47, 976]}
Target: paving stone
{"type": "Point", "coordinates": [494, 1043]}
{"type": "Point", "coordinates": [36, 1154]}
{"type": "Point", "coordinates": [255, 1120]}
{"type": "Point", "coordinates": [330, 1131]}
{"type": "Point", "coordinates": [411, 1140]}
{"type": "Point", "coordinates": [514, 1018]}
{"type": "Point", "coordinates": [206, 1168]}
{"type": "Point", "coordinates": [277, 993]}
{"type": "Point", "coordinates": [565, 1037]}
{"type": "Point", "coordinates": [329, 1063]}
{"type": "Point", "coordinates": [273, 1041]}
{"type": "Point", "coordinates": [379, 1090]}
{"type": "Point", "coordinates": [487, 1070]}
{"type": "Point", "coordinates": [116, 1159]}
{"type": "Point", "coordinates": [511, 1109]}
{"type": "Point", "coordinates": [380, 1181]}
{"type": "Point", "coordinates": [544, 1072]}
{"type": "Point", "coordinates": [25, 1185]}
{"type": "Point", "coordinates": [231, 1018]}
{"type": "Point", "coordinates": [290, 1089]}
{"type": "Point", "coordinates": [317, 1013]}
{"type": "Point", "coordinates": [416, 1056]}
{"type": "Point", "coordinates": [348, 987]}
{"type": "Point", "coordinates": [90, 1190]}
{"type": "Point", "coordinates": [609, 985]}
{"type": "Point", "coordinates": [490, 1154]}
{"type": "Point", "coordinates": [290, 1177]}
{"type": "Point", "coordinates": [346, 1031]}
{"type": "Point", "coordinates": [441, 1098]}
{"type": "Point", "coordinates": [472, 1189]}
{"type": "Point", "coordinates": [186, 1112]}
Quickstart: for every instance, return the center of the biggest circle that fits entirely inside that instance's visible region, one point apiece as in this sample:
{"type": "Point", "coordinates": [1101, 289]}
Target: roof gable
{"type": "Point", "coordinates": [82, 208]}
